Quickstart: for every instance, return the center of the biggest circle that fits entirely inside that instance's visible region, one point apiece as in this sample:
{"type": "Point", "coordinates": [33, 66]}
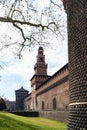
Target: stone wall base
{"type": "Point", "coordinates": [55, 115]}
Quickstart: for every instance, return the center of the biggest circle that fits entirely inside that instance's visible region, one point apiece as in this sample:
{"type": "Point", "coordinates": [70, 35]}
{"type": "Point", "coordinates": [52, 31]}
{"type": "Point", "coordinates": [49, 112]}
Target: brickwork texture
{"type": "Point", "coordinates": [77, 43]}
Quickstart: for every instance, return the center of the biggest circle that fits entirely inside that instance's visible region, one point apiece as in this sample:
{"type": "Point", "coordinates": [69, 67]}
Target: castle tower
{"type": "Point", "coordinates": [40, 66]}
{"type": "Point", "coordinates": [40, 75]}
{"type": "Point", "coordinates": [77, 46]}
{"type": "Point", "coordinates": [20, 95]}
{"type": "Point", "coordinates": [40, 69]}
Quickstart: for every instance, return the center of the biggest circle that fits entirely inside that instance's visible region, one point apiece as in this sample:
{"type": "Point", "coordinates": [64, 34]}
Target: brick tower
{"type": "Point", "coordinates": [40, 70]}
{"type": "Point", "coordinates": [20, 95]}
{"type": "Point", "coordinates": [40, 75]}
{"type": "Point", "coordinates": [77, 43]}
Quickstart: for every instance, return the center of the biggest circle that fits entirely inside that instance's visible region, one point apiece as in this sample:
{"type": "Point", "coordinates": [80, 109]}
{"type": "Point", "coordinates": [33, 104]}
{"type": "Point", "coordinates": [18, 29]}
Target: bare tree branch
{"type": "Point", "coordinates": [35, 24]}
{"type": "Point", "coordinates": [55, 4]}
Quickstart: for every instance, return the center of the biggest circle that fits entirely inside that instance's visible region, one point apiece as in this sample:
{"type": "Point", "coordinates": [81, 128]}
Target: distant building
{"type": "Point", "coordinates": [20, 96]}
{"type": "Point", "coordinates": [10, 105]}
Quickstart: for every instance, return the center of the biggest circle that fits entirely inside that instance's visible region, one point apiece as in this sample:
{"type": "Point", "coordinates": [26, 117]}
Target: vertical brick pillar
{"type": "Point", "coordinates": [77, 49]}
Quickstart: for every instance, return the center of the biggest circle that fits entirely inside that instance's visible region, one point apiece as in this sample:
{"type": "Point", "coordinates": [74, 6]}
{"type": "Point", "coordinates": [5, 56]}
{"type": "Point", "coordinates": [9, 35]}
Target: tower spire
{"type": "Point", "coordinates": [40, 69]}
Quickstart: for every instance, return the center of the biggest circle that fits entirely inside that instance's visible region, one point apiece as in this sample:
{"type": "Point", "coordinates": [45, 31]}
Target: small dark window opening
{"type": "Point", "coordinates": [42, 105]}
{"type": "Point", "coordinates": [54, 103]}
{"type": "Point", "coordinates": [41, 59]}
{"type": "Point", "coordinates": [66, 107]}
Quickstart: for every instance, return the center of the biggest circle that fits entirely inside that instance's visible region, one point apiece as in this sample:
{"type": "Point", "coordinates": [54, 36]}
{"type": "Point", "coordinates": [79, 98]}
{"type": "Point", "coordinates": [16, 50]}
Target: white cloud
{"type": "Point", "coordinates": [41, 3]}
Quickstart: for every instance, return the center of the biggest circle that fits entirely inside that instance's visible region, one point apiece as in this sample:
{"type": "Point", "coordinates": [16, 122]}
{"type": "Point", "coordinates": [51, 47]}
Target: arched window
{"type": "Point", "coordinates": [54, 103]}
{"type": "Point", "coordinates": [41, 59]}
{"type": "Point", "coordinates": [42, 105]}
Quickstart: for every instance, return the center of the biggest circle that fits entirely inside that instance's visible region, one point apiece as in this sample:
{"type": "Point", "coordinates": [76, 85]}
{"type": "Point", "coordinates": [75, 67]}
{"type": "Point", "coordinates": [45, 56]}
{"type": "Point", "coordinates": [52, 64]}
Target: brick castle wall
{"type": "Point", "coordinates": [51, 99]}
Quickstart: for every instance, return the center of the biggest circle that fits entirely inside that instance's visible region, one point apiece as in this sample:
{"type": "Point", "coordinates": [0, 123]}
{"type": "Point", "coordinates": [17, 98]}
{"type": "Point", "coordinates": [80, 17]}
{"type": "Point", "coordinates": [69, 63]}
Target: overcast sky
{"type": "Point", "coordinates": [17, 73]}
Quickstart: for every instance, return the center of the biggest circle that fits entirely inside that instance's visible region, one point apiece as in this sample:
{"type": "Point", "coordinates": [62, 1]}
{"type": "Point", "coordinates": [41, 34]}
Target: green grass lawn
{"type": "Point", "coordinates": [10, 121]}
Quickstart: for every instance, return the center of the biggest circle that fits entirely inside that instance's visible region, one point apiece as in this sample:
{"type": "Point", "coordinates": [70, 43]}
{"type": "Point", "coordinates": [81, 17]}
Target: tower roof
{"type": "Point", "coordinates": [21, 90]}
{"type": "Point", "coordinates": [40, 48]}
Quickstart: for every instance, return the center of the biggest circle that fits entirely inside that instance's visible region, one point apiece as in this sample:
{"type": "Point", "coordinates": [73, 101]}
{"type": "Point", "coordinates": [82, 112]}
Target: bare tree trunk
{"type": "Point", "coordinates": [77, 45]}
